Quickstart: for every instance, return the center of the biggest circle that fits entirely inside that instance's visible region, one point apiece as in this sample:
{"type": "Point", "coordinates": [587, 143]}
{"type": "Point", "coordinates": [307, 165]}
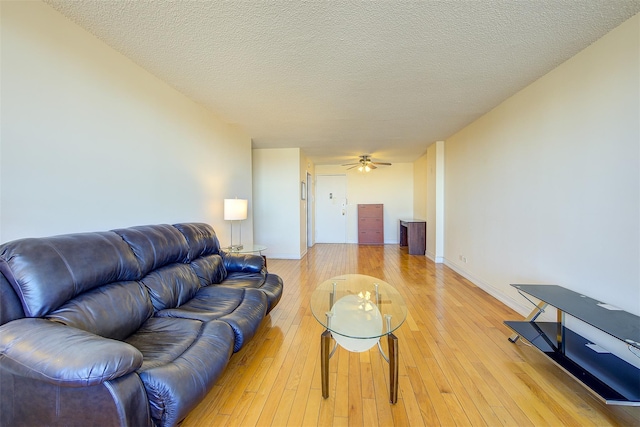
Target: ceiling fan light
{"type": "Point", "coordinates": [361, 168]}
{"type": "Point", "coordinates": [367, 168]}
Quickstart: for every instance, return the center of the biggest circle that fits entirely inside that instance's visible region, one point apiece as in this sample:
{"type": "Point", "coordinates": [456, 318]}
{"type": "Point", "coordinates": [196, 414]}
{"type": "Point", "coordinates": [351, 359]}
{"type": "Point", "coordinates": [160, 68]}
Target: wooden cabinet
{"type": "Point", "coordinates": [413, 233]}
{"type": "Point", "coordinates": [370, 225]}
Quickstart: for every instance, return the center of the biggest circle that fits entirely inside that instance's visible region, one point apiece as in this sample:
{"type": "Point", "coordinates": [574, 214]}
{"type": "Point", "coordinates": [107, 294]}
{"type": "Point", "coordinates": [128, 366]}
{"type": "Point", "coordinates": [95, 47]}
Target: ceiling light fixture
{"type": "Point", "coordinates": [365, 164]}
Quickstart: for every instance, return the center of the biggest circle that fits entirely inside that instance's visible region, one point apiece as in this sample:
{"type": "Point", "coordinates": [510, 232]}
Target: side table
{"type": "Point", "coordinates": [248, 249]}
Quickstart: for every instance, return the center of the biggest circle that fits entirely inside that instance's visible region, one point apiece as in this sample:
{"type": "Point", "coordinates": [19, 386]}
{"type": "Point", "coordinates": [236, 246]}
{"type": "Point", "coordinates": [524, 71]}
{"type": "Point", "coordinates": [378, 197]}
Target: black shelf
{"type": "Point", "coordinates": [608, 376]}
{"type": "Point", "coordinates": [614, 380]}
{"type": "Point", "coordinates": [617, 323]}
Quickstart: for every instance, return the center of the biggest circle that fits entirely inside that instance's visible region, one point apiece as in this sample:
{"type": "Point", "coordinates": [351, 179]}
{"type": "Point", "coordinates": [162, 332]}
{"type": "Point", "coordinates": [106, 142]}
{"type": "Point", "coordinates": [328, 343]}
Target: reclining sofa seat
{"type": "Point", "coordinates": [129, 327]}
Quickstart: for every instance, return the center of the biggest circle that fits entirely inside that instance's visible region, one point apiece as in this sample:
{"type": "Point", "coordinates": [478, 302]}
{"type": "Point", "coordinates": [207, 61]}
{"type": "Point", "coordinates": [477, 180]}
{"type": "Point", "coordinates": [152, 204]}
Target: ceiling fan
{"type": "Point", "coordinates": [365, 164]}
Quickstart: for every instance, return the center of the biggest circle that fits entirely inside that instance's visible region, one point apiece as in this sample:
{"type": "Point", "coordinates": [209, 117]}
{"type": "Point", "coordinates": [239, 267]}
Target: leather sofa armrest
{"type": "Point", "coordinates": [245, 263]}
{"type": "Point", "coordinates": [63, 355]}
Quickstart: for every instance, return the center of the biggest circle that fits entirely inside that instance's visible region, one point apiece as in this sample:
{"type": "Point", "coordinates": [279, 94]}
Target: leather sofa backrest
{"type": "Point", "coordinates": [112, 311]}
{"type": "Point", "coordinates": [201, 238]}
{"type": "Point", "coordinates": [204, 252]}
{"type": "Point", "coordinates": [171, 286]}
{"type": "Point", "coordinates": [210, 269]}
{"type": "Point", "coordinates": [47, 272]}
{"type": "Point", "coordinates": [64, 277]}
{"type": "Point", "coordinates": [155, 245]}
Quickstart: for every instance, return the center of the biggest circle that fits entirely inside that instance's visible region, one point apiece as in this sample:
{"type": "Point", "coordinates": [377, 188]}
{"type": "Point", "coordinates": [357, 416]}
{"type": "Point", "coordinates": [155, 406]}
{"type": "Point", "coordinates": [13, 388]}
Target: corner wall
{"type": "Point", "coordinates": [91, 141]}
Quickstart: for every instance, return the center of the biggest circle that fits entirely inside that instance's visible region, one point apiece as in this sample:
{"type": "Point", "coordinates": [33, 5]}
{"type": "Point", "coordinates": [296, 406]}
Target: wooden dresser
{"type": "Point", "coordinates": [370, 225]}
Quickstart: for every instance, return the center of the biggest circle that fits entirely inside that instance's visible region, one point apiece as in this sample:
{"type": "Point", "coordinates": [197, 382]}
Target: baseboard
{"type": "Point", "coordinates": [518, 306]}
{"type": "Point", "coordinates": [284, 256]}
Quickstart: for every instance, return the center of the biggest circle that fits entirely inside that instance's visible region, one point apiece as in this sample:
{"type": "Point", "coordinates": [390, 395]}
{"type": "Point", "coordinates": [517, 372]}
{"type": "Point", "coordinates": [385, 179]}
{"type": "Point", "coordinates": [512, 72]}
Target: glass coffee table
{"type": "Point", "coordinates": [358, 310]}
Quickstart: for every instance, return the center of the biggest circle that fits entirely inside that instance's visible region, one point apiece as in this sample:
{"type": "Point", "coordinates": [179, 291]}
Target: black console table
{"type": "Point", "coordinates": [612, 379]}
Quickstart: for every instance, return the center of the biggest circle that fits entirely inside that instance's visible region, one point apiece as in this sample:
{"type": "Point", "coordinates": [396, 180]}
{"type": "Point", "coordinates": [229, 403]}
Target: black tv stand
{"type": "Point", "coordinates": [614, 380]}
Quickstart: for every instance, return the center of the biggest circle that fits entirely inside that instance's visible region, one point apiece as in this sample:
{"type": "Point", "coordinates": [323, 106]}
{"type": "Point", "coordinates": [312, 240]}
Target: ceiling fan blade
{"type": "Point", "coordinates": [365, 161]}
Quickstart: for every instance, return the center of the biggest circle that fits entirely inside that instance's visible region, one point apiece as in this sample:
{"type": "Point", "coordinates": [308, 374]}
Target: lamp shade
{"type": "Point", "coordinates": [235, 209]}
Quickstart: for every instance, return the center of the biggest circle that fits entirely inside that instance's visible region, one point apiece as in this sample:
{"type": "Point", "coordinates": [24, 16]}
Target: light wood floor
{"type": "Point", "coordinates": [456, 365]}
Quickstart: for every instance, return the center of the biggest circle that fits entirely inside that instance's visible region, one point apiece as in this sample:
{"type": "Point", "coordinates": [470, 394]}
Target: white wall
{"type": "Point", "coordinates": [421, 174]}
{"type": "Point", "coordinates": [277, 209]}
{"type": "Point", "coordinates": [90, 141]}
{"type": "Point", "coordinates": [389, 185]}
{"type": "Point", "coordinates": [546, 187]}
{"type": "Point", "coordinates": [433, 162]}
{"type": "Point", "coordinates": [306, 166]}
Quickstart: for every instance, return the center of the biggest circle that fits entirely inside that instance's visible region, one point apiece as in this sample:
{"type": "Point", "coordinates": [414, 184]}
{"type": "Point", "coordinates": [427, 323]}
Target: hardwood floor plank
{"type": "Point", "coordinates": [410, 403]}
{"type": "Point", "coordinates": [379, 369]}
{"type": "Point", "coordinates": [355, 391]}
{"type": "Point", "coordinates": [456, 366]}
{"type": "Point", "coordinates": [366, 381]}
{"type": "Point", "coordinates": [369, 412]}
{"type": "Point", "coordinates": [243, 406]}
{"type": "Point", "coordinates": [342, 383]}
{"type": "Point", "coordinates": [283, 410]}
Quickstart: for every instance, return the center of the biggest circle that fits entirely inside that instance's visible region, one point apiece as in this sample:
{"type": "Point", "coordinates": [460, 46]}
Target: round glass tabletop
{"type": "Point", "coordinates": [358, 307]}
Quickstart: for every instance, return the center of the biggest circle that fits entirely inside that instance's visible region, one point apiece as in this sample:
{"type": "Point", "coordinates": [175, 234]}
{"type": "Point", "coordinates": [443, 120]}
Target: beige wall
{"type": "Point", "coordinates": [431, 201]}
{"type": "Point", "coordinates": [307, 206]}
{"type": "Point", "coordinates": [546, 187]}
{"type": "Point", "coordinates": [429, 198]}
{"type": "Point", "coordinates": [420, 187]}
{"type": "Point", "coordinates": [278, 208]}
{"type": "Point", "coordinates": [90, 141]}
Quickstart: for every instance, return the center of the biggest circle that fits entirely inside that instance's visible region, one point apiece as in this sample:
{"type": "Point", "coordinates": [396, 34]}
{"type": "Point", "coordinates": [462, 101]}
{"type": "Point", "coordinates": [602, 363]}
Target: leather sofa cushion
{"type": "Point", "coordinates": [210, 269]}
{"type": "Point", "coordinates": [112, 311]}
{"type": "Point", "coordinates": [171, 286]}
{"type": "Point", "coordinates": [245, 280]}
{"type": "Point", "coordinates": [202, 239]}
{"type": "Point", "coordinates": [155, 245]}
{"type": "Point", "coordinates": [46, 272]}
{"type": "Point", "coordinates": [182, 360]}
{"type": "Point", "coordinates": [270, 284]}
{"type": "Point", "coordinates": [243, 309]}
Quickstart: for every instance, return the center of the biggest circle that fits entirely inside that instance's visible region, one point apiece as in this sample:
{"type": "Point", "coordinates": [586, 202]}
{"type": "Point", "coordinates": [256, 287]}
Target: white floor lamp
{"type": "Point", "coordinates": [235, 210]}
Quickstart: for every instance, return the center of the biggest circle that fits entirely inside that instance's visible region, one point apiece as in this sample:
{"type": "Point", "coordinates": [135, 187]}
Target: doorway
{"type": "Point", "coordinates": [331, 208]}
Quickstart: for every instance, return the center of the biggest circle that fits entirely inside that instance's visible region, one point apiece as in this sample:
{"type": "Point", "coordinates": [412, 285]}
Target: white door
{"type": "Point", "coordinates": [331, 209]}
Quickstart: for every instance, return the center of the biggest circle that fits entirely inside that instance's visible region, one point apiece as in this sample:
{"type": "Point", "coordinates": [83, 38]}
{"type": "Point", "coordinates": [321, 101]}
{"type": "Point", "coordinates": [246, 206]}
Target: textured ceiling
{"type": "Point", "coordinates": [340, 79]}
